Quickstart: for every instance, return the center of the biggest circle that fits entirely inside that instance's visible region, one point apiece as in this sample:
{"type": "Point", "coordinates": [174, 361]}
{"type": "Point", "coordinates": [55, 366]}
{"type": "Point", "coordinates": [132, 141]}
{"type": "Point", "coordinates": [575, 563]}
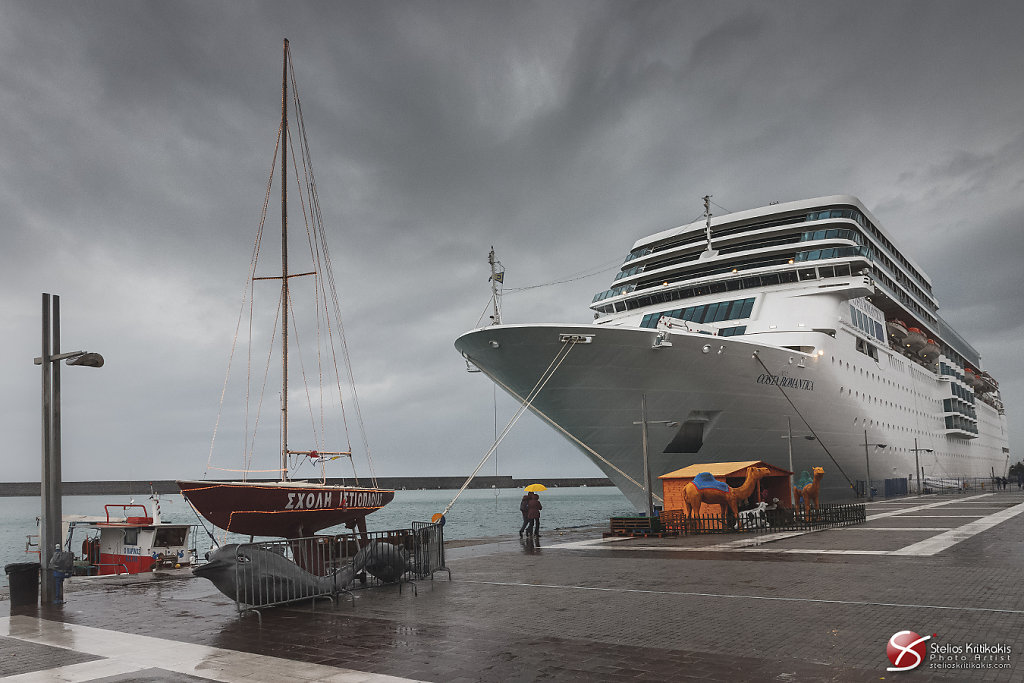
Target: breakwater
{"type": "Point", "coordinates": [93, 488]}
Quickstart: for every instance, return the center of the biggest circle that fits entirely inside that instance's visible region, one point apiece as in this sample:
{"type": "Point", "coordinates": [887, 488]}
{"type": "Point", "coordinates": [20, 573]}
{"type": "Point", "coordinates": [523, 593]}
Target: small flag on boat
{"type": "Point", "coordinates": [497, 277]}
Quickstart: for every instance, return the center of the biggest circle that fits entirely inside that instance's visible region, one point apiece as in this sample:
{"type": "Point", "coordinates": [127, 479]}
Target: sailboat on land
{"type": "Point", "coordinates": [288, 507]}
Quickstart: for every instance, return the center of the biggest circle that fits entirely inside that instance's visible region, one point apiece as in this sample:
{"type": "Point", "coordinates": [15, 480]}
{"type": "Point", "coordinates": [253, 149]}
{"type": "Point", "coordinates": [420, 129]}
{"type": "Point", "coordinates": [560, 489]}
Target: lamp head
{"type": "Point", "coordinates": [88, 359]}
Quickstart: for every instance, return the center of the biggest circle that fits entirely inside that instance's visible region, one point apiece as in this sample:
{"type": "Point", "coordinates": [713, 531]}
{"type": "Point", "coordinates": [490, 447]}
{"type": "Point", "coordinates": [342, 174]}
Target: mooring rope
{"type": "Point", "coordinates": [571, 437]}
{"type": "Point", "coordinates": [757, 357]}
{"type": "Point", "coordinates": [548, 373]}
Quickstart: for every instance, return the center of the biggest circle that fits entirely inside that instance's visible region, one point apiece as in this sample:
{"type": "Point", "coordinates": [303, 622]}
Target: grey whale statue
{"type": "Point", "coordinates": [256, 576]}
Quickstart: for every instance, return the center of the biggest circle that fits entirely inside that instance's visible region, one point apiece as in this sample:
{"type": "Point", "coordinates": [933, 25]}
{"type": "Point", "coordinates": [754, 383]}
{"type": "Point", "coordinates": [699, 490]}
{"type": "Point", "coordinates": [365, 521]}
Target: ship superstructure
{"type": "Point", "coordinates": [743, 330]}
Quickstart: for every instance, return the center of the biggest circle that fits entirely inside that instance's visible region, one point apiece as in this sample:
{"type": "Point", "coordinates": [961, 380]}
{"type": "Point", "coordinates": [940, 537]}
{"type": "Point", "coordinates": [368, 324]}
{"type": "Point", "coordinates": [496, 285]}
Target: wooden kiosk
{"type": "Point", "coordinates": [775, 485]}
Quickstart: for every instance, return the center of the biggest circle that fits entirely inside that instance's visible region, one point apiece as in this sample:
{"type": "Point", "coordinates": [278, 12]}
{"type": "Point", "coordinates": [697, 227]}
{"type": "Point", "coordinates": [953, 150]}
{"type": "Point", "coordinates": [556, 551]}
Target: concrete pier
{"type": "Point", "coordinates": [571, 606]}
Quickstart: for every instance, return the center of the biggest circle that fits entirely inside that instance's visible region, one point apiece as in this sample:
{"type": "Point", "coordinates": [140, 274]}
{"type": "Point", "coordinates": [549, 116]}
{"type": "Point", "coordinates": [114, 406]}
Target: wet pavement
{"type": "Point", "coordinates": [817, 606]}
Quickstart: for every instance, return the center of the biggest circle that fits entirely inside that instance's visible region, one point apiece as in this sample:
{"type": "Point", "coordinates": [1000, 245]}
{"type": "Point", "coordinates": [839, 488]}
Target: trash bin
{"type": "Point", "coordinates": [24, 580]}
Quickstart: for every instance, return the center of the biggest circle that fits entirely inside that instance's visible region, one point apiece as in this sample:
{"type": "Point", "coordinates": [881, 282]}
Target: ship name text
{"type": "Point", "coordinates": [786, 382]}
{"type": "Point", "coordinates": [325, 499]}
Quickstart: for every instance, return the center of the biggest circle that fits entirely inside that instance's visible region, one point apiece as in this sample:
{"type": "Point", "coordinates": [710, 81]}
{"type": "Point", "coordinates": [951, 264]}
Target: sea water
{"type": "Point", "coordinates": [478, 513]}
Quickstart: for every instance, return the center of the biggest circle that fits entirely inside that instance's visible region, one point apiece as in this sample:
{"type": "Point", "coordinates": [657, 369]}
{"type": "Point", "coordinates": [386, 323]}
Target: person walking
{"type": "Point", "coordinates": [523, 508]}
{"type": "Point", "coordinates": [533, 508]}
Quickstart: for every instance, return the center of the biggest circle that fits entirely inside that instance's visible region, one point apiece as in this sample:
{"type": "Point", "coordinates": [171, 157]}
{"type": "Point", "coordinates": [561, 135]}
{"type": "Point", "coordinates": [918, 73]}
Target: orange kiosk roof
{"type": "Point", "coordinates": [723, 469]}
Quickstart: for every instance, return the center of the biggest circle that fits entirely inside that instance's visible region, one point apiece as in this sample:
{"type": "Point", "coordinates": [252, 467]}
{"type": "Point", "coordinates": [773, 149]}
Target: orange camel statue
{"type": "Point", "coordinates": [693, 496]}
{"type": "Point", "coordinates": [810, 492]}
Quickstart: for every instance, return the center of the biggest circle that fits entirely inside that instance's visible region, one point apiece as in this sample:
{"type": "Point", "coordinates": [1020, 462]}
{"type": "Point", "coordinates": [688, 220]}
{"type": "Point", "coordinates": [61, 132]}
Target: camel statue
{"type": "Point", "coordinates": [810, 491]}
{"type": "Point", "coordinates": [694, 496]}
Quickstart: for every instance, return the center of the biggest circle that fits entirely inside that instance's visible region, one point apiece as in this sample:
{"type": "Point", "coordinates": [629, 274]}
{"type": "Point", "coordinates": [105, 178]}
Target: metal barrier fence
{"type": "Point", "coordinates": [675, 522]}
{"type": "Point", "coordinates": [969, 485]}
{"type": "Point", "coordinates": [270, 573]}
{"type": "Point", "coordinates": [429, 549]}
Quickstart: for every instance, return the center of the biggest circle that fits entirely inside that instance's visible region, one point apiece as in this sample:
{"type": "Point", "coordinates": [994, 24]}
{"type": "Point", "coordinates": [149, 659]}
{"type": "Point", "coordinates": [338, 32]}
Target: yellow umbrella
{"type": "Point", "coordinates": [536, 487]}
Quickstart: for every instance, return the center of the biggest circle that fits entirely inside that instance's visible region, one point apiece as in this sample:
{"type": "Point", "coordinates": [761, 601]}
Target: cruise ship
{"type": "Point", "coordinates": [798, 333]}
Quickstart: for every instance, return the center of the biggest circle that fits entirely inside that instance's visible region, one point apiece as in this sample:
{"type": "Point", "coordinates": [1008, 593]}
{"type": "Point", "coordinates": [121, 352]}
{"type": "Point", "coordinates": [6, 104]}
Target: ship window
{"type": "Point", "coordinates": [843, 270]}
{"type": "Point", "coordinates": [709, 316]}
{"type": "Point", "coordinates": [826, 271]}
{"type": "Point", "coordinates": [807, 274]}
{"type": "Point", "coordinates": [771, 279]}
{"type": "Point", "coordinates": [688, 313]}
{"type": "Point", "coordinates": [723, 309]}
{"type": "Point", "coordinates": [787, 276]}
{"type": "Point", "coordinates": [698, 314]}
{"type": "Point", "coordinates": [736, 309]}
{"type": "Point", "coordinates": [748, 305]}
{"type": "Point", "coordinates": [131, 536]}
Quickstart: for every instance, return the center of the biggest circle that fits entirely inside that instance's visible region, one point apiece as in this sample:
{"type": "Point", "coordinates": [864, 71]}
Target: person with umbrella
{"type": "Point", "coordinates": [531, 516]}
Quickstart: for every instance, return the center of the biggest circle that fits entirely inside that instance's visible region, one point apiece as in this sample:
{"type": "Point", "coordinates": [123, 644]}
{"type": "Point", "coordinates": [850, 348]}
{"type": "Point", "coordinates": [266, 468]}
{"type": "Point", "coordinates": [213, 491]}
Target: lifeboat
{"type": "Point", "coordinates": [930, 351]}
{"type": "Point", "coordinates": [988, 383]}
{"type": "Point", "coordinates": [897, 330]}
{"type": "Point", "coordinates": [972, 379]}
{"type": "Point", "coordinates": [915, 339]}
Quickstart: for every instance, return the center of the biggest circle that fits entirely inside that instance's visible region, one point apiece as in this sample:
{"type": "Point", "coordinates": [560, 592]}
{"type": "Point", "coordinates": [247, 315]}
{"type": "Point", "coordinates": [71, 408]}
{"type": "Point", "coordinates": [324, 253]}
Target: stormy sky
{"type": "Point", "coordinates": [138, 136]}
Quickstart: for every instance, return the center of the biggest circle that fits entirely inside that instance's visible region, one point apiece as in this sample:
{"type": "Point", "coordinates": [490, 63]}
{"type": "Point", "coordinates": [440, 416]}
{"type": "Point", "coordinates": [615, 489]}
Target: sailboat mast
{"type": "Point", "coordinates": [284, 266]}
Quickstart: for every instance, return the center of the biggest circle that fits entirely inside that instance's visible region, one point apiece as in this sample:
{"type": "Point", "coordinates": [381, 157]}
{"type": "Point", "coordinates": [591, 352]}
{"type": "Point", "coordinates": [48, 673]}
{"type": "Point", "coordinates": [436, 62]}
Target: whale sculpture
{"type": "Point", "coordinates": [384, 561]}
{"type": "Point", "coordinates": [256, 576]}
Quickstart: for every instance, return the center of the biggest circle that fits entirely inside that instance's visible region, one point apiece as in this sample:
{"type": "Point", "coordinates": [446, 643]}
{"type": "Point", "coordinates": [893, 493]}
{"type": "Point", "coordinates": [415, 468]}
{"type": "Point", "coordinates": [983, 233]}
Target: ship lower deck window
{"type": "Point", "coordinates": [131, 536]}
{"type": "Point", "coordinates": [867, 349]}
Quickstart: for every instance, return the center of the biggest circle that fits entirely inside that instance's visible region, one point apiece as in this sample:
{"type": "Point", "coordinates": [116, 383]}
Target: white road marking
{"type": "Point", "coordinates": [127, 652]}
{"type": "Point", "coordinates": [954, 608]}
{"type": "Point", "coordinates": [949, 537]}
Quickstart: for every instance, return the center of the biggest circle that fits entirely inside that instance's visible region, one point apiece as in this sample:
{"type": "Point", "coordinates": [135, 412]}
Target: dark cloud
{"type": "Point", "coordinates": [137, 148]}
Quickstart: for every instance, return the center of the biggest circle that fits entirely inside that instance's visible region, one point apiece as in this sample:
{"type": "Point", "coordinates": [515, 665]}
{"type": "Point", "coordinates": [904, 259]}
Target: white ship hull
{"type": "Point", "coordinates": [718, 387]}
{"type": "Point", "coordinates": [802, 316]}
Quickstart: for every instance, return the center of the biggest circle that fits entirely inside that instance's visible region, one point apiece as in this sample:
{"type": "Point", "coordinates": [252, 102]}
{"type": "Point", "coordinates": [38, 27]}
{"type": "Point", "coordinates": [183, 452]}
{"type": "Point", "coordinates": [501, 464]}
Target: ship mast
{"type": "Point", "coordinates": [284, 266]}
{"type": "Point", "coordinates": [496, 277]}
{"type": "Point", "coordinates": [709, 252]}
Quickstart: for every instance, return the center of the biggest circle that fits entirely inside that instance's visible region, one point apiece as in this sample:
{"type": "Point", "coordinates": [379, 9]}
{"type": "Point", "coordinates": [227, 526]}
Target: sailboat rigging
{"type": "Point", "coordinates": [291, 508]}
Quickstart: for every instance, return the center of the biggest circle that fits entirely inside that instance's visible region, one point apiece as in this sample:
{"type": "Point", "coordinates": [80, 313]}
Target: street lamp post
{"type": "Point", "coordinates": [789, 442]}
{"type": "Point", "coordinates": [50, 478]}
{"type": "Point", "coordinates": [917, 463]}
{"type": "Point", "coordinates": [647, 468]}
{"type": "Point", "coordinates": [867, 462]}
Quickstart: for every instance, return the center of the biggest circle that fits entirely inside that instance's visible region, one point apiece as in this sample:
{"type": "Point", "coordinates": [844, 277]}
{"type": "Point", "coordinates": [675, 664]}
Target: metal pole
{"type": "Point", "coordinates": [917, 466]}
{"type": "Point", "coordinates": [647, 469]}
{"type": "Point", "coordinates": [284, 265]}
{"type": "Point", "coordinates": [867, 461]}
{"type": "Point", "coordinates": [47, 533]}
{"type": "Point", "coordinates": [789, 430]}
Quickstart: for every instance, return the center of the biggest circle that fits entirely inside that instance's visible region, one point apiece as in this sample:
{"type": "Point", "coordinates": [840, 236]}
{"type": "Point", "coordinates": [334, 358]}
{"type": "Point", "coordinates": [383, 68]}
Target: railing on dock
{"type": "Point", "coordinates": [273, 573]}
{"type": "Point", "coordinates": [676, 522]}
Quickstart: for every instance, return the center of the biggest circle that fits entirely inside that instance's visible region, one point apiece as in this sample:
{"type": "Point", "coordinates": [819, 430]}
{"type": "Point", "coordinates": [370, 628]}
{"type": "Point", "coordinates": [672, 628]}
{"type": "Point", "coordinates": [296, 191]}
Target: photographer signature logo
{"type": "Point", "coordinates": [906, 650]}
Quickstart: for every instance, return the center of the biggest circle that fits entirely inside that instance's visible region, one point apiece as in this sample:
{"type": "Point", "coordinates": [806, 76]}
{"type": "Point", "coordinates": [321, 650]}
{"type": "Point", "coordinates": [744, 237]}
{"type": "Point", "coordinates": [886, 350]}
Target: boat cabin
{"type": "Point", "coordinates": [129, 544]}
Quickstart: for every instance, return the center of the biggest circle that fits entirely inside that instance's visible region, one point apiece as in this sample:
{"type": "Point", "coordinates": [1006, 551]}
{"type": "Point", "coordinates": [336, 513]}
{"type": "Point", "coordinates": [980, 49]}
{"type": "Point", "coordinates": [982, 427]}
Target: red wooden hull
{"type": "Point", "coordinates": [285, 509]}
